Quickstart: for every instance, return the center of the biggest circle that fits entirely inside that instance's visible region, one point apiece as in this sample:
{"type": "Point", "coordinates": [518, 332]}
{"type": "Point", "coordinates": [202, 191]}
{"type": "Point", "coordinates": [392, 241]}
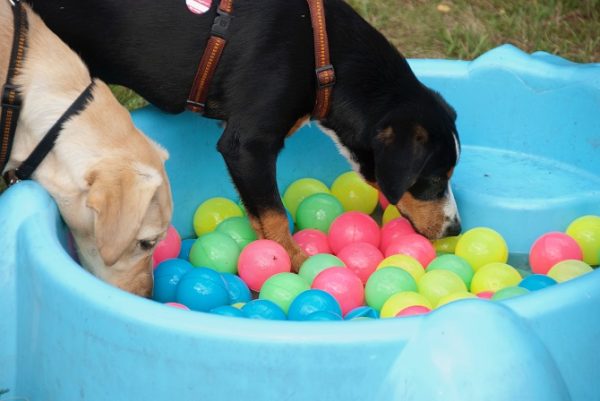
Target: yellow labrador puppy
{"type": "Point", "coordinates": [107, 178]}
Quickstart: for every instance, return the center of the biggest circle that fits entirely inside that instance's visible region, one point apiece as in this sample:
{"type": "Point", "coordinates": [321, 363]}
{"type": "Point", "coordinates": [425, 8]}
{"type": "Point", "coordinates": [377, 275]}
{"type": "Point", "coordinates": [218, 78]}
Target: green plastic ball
{"type": "Point", "coordinates": [299, 190]}
{"type": "Point", "coordinates": [315, 264]}
{"type": "Point", "coordinates": [318, 211]}
{"type": "Point", "coordinates": [386, 282]}
{"type": "Point", "coordinates": [239, 229]}
{"type": "Point", "coordinates": [494, 277]}
{"type": "Point", "coordinates": [355, 193]}
{"type": "Point", "coordinates": [480, 246]}
{"type": "Point", "coordinates": [436, 284]}
{"type": "Point", "coordinates": [568, 269]}
{"type": "Point", "coordinates": [212, 212]}
{"type": "Point", "coordinates": [586, 231]}
{"type": "Point", "coordinates": [454, 264]}
{"type": "Point", "coordinates": [215, 250]}
{"type": "Point", "coordinates": [282, 288]}
{"type": "Point", "coordinates": [509, 292]}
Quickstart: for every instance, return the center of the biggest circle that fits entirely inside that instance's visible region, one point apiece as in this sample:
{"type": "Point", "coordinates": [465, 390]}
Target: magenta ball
{"type": "Point", "coordinates": [312, 241]}
{"type": "Point", "coordinates": [260, 260]}
{"type": "Point", "coordinates": [177, 305]}
{"type": "Point", "coordinates": [551, 248]}
{"type": "Point", "coordinates": [393, 230]}
{"type": "Point", "coordinates": [413, 310]}
{"type": "Point", "coordinates": [343, 284]}
{"type": "Point", "coordinates": [353, 227]}
{"type": "Point", "coordinates": [485, 294]}
{"type": "Point", "coordinates": [168, 248]}
{"type": "Point", "coordinates": [414, 245]}
{"type": "Point", "coordinates": [362, 258]}
{"type": "Point", "coordinates": [383, 201]}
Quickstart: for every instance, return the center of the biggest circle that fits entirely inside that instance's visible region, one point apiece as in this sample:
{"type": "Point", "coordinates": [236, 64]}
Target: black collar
{"type": "Point", "coordinates": [11, 107]}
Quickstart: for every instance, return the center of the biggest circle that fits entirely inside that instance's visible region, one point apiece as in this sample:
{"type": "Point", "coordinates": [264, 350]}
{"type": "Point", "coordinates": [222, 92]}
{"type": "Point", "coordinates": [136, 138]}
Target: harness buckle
{"type": "Point", "coordinates": [325, 76]}
{"type": "Point", "coordinates": [221, 24]}
{"type": "Point", "coordinates": [11, 177]}
{"type": "Point", "coordinates": [7, 89]}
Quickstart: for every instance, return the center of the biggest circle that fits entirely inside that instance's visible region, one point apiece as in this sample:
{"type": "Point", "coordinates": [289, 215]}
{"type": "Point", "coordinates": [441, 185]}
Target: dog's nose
{"type": "Point", "coordinates": [454, 228]}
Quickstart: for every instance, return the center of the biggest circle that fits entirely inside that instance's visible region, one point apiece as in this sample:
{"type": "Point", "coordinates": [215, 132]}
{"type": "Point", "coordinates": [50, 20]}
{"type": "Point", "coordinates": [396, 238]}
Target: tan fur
{"type": "Point", "coordinates": [427, 216]}
{"type": "Point", "coordinates": [107, 178]}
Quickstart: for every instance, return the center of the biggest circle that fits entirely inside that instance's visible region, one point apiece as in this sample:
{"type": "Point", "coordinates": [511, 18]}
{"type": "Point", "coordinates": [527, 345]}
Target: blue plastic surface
{"type": "Point", "coordinates": [530, 129]}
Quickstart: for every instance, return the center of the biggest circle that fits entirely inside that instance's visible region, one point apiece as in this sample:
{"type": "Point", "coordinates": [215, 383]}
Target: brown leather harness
{"type": "Point", "coordinates": [325, 74]}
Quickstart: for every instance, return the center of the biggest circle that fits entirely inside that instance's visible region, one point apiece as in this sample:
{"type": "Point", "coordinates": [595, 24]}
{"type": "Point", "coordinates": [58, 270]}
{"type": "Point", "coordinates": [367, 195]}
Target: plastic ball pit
{"type": "Point", "coordinates": [528, 166]}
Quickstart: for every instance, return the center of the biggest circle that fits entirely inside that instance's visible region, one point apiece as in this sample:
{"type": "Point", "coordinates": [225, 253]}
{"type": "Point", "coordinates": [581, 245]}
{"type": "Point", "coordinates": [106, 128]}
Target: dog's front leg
{"type": "Point", "coordinates": [251, 160]}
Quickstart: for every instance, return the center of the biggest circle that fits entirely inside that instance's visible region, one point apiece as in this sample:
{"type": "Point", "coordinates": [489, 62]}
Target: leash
{"type": "Point", "coordinates": [11, 107]}
{"type": "Point", "coordinates": [324, 71]}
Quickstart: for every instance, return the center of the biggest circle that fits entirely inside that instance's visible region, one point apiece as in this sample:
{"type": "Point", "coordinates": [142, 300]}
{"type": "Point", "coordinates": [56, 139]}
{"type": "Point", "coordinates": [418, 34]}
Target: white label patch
{"type": "Point", "coordinates": [198, 6]}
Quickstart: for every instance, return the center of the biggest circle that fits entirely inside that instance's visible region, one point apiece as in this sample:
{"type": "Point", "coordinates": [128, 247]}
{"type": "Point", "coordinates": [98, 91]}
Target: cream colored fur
{"type": "Point", "coordinates": [107, 178]}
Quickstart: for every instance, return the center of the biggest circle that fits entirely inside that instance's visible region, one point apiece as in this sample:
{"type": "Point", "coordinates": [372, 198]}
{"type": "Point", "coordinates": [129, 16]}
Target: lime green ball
{"type": "Point", "coordinates": [480, 246]}
{"type": "Point", "coordinates": [454, 264]}
{"type": "Point", "coordinates": [494, 277]}
{"type": "Point", "coordinates": [299, 190]}
{"type": "Point", "coordinates": [318, 211]}
{"type": "Point", "coordinates": [455, 296]}
{"type": "Point", "coordinates": [213, 211]}
{"type": "Point", "coordinates": [282, 288]}
{"type": "Point", "coordinates": [436, 284]}
{"type": "Point", "coordinates": [315, 264]}
{"type": "Point", "coordinates": [509, 292]}
{"type": "Point", "coordinates": [390, 213]}
{"type": "Point", "coordinates": [239, 229]}
{"type": "Point", "coordinates": [586, 231]}
{"type": "Point", "coordinates": [404, 262]}
{"type": "Point", "coordinates": [386, 282]}
{"type": "Point", "coordinates": [403, 300]}
{"type": "Point", "coordinates": [217, 251]}
{"type": "Point", "coordinates": [568, 269]}
{"type": "Point", "coordinates": [446, 245]}
{"type": "Point", "coordinates": [355, 193]}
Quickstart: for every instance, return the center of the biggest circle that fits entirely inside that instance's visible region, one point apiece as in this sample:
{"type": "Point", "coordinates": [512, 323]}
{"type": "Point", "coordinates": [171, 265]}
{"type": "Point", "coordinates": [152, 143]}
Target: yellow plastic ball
{"type": "Point", "coordinates": [355, 193]}
{"type": "Point", "coordinates": [212, 212]}
{"type": "Point", "coordinates": [568, 269]}
{"type": "Point", "coordinates": [480, 246]}
{"type": "Point", "coordinates": [455, 296]}
{"type": "Point", "coordinates": [299, 190]}
{"type": "Point", "coordinates": [494, 277]}
{"type": "Point", "coordinates": [404, 262]}
{"type": "Point", "coordinates": [446, 245]}
{"type": "Point", "coordinates": [403, 300]}
{"type": "Point", "coordinates": [436, 284]}
{"type": "Point", "coordinates": [390, 213]}
{"type": "Point", "coordinates": [586, 231]}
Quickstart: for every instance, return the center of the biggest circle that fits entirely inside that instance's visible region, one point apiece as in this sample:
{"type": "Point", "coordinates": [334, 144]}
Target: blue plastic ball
{"type": "Point", "coordinates": [362, 312]}
{"type": "Point", "coordinates": [186, 245]}
{"type": "Point", "coordinates": [202, 289]}
{"type": "Point", "coordinates": [167, 275]}
{"type": "Point", "coordinates": [311, 301]}
{"type": "Point", "coordinates": [263, 309]}
{"type": "Point", "coordinates": [227, 310]}
{"type": "Point", "coordinates": [535, 282]}
{"type": "Point", "coordinates": [323, 315]}
{"type": "Point", "coordinates": [238, 290]}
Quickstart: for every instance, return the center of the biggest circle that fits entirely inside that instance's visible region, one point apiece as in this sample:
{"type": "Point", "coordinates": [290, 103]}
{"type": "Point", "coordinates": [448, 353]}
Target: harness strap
{"type": "Point", "coordinates": [325, 73]}
{"type": "Point", "coordinates": [11, 101]}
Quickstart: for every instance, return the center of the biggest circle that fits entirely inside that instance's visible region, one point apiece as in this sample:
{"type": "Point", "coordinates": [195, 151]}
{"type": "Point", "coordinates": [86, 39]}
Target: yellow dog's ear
{"type": "Point", "coordinates": [119, 193]}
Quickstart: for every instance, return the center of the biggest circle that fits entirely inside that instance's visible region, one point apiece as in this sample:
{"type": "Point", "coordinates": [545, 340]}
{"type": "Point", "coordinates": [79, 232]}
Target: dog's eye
{"type": "Point", "coordinates": [146, 245]}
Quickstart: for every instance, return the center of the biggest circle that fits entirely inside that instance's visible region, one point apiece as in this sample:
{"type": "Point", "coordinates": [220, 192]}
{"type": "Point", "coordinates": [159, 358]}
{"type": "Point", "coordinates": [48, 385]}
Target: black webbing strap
{"type": "Point", "coordinates": [11, 101]}
{"type": "Point", "coordinates": [26, 169]}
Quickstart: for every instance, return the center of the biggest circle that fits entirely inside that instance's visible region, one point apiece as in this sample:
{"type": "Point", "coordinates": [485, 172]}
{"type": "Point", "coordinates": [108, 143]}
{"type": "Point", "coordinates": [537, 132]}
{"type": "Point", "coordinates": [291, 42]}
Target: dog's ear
{"type": "Point", "coordinates": [400, 155]}
{"type": "Point", "coordinates": [119, 194]}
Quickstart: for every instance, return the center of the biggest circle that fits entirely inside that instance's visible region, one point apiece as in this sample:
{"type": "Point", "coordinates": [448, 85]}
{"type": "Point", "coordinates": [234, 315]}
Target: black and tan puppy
{"type": "Point", "coordinates": [396, 132]}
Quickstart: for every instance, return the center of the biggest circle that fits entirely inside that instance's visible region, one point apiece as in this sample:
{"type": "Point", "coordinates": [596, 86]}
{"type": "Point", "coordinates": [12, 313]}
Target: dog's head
{"type": "Point", "coordinates": [415, 148]}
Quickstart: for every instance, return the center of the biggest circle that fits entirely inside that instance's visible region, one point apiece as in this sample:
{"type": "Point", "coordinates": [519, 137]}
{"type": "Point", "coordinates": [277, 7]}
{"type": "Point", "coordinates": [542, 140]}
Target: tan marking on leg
{"type": "Point", "coordinates": [301, 121]}
{"type": "Point", "coordinates": [426, 216]}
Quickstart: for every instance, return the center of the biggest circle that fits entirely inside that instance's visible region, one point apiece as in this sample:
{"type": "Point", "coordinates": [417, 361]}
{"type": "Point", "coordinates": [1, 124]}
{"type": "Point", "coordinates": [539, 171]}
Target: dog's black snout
{"type": "Point", "coordinates": [454, 228]}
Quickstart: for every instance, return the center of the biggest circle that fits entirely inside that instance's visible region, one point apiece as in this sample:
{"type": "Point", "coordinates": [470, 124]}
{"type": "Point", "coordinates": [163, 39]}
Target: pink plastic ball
{"type": "Point", "coordinates": [177, 305]}
{"type": "Point", "coordinates": [485, 294]}
{"type": "Point", "coordinates": [413, 310]}
{"type": "Point", "coordinates": [168, 248]}
{"type": "Point", "coordinates": [383, 201]}
{"type": "Point", "coordinates": [312, 241]}
{"type": "Point", "coordinates": [260, 260]}
{"type": "Point", "coordinates": [353, 227]}
{"type": "Point", "coordinates": [414, 245]}
{"type": "Point", "coordinates": [393, 230]}
{"type": "Point", "coordinates": [343, 285]}
{"type": "Point", "coordinates": [362, 258]}
{"type": "Point", "coordinates": [551, 248]}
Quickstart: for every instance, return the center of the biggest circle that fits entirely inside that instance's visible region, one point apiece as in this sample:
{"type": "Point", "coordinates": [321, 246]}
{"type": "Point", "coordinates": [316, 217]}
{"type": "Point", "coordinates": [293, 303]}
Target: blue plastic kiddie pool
{"type": "Point", "coordinates": [530, 128]}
